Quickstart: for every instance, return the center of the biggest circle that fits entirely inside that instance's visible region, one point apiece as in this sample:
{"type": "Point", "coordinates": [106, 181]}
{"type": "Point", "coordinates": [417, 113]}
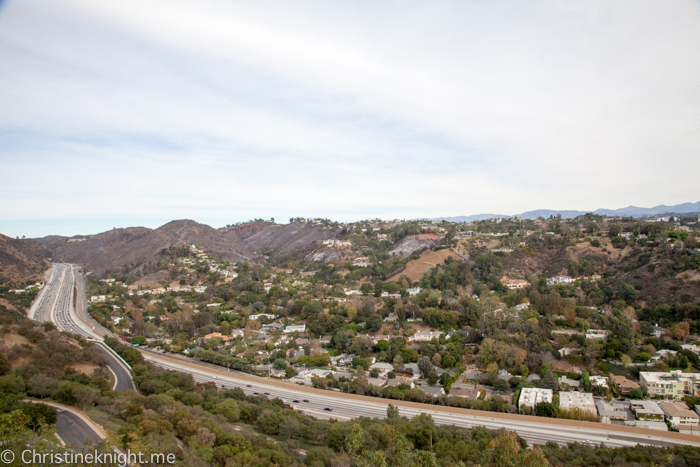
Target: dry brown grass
{"type": "Point", "coordinates": [416, 269]}
{"type": "Point", "coordinates": [85, 368]}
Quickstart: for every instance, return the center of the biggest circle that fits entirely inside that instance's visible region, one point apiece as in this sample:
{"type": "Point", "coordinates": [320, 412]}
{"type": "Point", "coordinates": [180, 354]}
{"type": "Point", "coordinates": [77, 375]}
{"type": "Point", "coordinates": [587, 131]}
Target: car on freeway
{"type": "Point", "coordinates": [305, 400]}
{"type": "Point", "coordinates": [295, 401]}
{"type": "Point", "coordinates": [249, 385]}
{"type": "Point", "coordinates": [266, 393]}
{"type": "Point", "coordinates": [256, 393]}
{"type": "Point", "coordinates": [328, 409]}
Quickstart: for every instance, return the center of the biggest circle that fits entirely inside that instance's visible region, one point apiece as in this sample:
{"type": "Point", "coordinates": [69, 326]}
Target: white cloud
{"type": "Point", "coordinates": [232, 109]}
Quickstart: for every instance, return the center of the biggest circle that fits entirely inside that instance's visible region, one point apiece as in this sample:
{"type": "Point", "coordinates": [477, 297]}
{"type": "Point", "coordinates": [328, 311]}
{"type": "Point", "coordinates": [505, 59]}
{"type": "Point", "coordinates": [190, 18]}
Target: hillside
{"type": "Point", "coordinates": [128, 249]}
{"type": "Point", "coordinates": [284, 239]}
{"type": "Point", "coordinates": [22, 260]}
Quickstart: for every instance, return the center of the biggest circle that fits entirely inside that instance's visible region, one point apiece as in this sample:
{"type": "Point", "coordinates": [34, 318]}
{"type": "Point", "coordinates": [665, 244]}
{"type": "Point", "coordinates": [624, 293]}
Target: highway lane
{"type": "Point", "coordinates": [75, 432]}
{"type": "Point", "coordinates": [63, 301]}
{"type": "Point", "coordinates": [530, 429]}
{"type": "Point", "coordinates": [533, 429]}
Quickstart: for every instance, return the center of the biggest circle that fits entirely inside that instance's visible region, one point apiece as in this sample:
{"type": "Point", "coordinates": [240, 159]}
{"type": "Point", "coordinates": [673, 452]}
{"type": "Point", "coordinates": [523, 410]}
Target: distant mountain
{"type": "Point", "coordinates": [22, 260]}
{"type": "Point", "coordinates": [127, 249]}
{"type": "Point", "coordinates": [632, 211]}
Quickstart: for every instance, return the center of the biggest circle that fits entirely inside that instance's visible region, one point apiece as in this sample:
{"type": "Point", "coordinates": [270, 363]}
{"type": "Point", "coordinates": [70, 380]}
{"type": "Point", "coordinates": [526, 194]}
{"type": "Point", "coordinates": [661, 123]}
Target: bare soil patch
{"type": "Point", "coordinates": [12, 339]}
{"type": "Point", "coordinates": [417, 268]}
{"type": "Point", "coordinates": [85, 368]}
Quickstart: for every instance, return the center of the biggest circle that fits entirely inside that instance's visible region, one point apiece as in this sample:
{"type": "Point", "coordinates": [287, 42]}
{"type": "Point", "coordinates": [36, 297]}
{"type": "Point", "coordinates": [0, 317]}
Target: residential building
{"type": "Point", "coordinates": [577, 400]}
{"type": "Point", "coordinates": [433, 391]}
{"type": "Point", "coordinates": [530, 397]}
{"type": "Point", "coordinates": [396, 382]}
{"type": "Point", "coordinates": [646, 410]}
{"type": "Point", "coordinates": [609, 412]}
{"type": "Point", "coordinates": [622, 384]}
{"type": "Point", "coordinates": [679, 415]}
{"type": "Point", "coordinates": [566, 382]}
{"type": "Point", "coordinates": [273, 327]}
{"type": "Point", "coordinates": [98, 299]}
{"type": "Point", "coordinates": [514, 284]}
{"type": "Point", "coordinates": [413, 291]}
{"type": "Point", "coordinates": [425, 336]}
{"type": "Point", "coordinates": [217, 335]}
{"type": "Point", "coordinates": [295, 328]}
{"type": "Point", "coordinates": [559, 280]}
{"type": "Point", "coordinates": [390, 295]}
{"type": "Point", "coordinates": [670, 384]}
{"type": "Point", "coordinates": [596, 334]}
{"type": "Point", "coordinates": [262, 315]}
{"type": "Point", "coordinates": [599, 381]}
{"type": "Point", "coordinates": [391, 318]}
{"type": "Point", "coordinates": [658, 331]}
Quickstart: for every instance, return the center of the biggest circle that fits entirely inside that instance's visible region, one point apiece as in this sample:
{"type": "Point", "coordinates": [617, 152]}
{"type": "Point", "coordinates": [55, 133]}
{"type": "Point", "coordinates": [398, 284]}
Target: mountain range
{"type": "Point", "coordinates": [629, 211]}
{"type": "Point", "coordinates": [127, 250]}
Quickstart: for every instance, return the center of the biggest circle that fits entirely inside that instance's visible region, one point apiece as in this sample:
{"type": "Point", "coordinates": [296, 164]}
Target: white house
{"type": "Point", "coordinates": [425, 336]}
{"type": "Point", "coordinates": [295, 328]}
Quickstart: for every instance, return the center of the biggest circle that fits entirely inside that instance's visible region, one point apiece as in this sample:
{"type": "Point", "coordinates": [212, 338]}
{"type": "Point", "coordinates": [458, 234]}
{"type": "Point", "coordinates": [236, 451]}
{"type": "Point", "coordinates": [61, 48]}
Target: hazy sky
{"type": "Point", "coordinates": [134, 113]}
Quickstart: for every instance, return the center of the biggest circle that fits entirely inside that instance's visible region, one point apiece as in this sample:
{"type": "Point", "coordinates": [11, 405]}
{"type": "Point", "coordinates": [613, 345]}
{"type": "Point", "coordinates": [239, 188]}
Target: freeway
{"type": "Point", "coordinates": [535, 430]}
{"type": "Point", "coordinates": [326, 404]}
{"type": "Point", "coordinates": [63, 301]}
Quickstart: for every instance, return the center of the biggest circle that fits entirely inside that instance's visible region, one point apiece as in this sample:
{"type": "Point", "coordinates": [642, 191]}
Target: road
{"type": "Point", "coordinates": [63, 301]}
{"type": "Point", "coordinates": [536, 430]}
{"type": "Point", "coordinates": [74, 432]}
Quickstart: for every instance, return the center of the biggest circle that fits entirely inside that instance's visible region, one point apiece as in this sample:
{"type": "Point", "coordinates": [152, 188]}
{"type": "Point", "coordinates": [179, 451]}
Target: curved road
{"type": "Point", "coordinates": [536, 430]}
{"type": "Point", "coordinates": [55, 303]}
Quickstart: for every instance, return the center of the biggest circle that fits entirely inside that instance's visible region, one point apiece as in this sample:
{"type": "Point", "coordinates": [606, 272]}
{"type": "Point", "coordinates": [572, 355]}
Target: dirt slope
{"type": "Point", "coordinates": [417, 268]}
{"type": "Point", "coordinates": [283, 239]}
{"type": "Point", "coordinates": [22, 260]}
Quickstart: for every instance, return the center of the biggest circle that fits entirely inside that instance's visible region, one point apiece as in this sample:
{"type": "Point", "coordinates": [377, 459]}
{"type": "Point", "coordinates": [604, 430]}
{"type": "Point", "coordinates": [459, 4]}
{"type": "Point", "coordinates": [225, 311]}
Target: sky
{"type": "Point", "coordinates": [117, 114]}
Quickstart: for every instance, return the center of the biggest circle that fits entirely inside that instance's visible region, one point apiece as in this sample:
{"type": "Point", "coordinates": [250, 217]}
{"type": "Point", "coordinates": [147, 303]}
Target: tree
{"type": "Point", "coordinates": [425, 365]}
{"type": "Point", "coordinates": [225, 328]}
{"type": "Point", "coordinates": [42, 386]}
{"type": "Point", "coordinates": [392, 412]}
{"type": "Point", "coordinates": [636, 393]}
{"type": "Point", "coordinates": [500, 385]}
{"type": "Point", "coordinates": [374, 373]}
{"type": "Point", "coordinates": [544, 409]}
{"type": "Point", "coordinates": [279, 364]}
{"type": "Point", "coordinates": [290, 427]}
{"type": "Point", "coordinates": [643, 357]}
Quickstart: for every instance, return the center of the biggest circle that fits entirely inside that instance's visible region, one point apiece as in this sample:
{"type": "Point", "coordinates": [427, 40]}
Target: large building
{"type": "Point", "coordinates": [680, 416]}
{"type": "Point", "coordinates": [577, 400]}
{"type": "Point", "coordinates": [670, 384]}
{"type": "Point", "coordinates": [530, 397]}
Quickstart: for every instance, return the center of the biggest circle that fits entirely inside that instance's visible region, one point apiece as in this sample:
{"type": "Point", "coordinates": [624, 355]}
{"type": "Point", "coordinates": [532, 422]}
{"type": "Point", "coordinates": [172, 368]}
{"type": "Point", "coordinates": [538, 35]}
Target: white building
{"type": "Point", "coordinates": [529, 397]}
{"type": "Point", "coordinates": [262, 315]}
{"type": "Point", "coordinates": [295, 328]}
{"type": "Point", "coordinates": [577, 400]}
{"type": "Point", "coordinates": [601, 381]}
{"type": "Point", "coordinates": [97, 298]}
{"type": "Point", "coordinates": [596, 334]}
{"type": "Point", "coordinates": [559, 280]}
{"type": "Point", "coordinates": [413, 291]}
{"type": "Point", "coordinates": [425, 336]}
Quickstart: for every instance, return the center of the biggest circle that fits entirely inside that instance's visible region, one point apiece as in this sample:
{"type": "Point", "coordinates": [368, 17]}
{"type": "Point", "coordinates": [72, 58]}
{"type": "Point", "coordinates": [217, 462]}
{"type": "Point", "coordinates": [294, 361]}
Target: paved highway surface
{"type": "Point", "coordinates": [315, 402]}
{"type": "Point", "coordinates": [75, 432]}
{"type": "Point", "coordinates": [63, 301]}
{"type": "Point", "coordinates": [535, 430]}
